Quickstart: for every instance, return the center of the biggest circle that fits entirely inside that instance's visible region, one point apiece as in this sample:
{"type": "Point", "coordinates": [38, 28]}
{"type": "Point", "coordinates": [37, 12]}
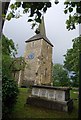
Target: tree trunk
{"type": "Point", "coordinates": [79, 84]}
{"type": "Point", "coordinates": [4, 8]}
{"type": "Point", "coordinates": [0, 18]}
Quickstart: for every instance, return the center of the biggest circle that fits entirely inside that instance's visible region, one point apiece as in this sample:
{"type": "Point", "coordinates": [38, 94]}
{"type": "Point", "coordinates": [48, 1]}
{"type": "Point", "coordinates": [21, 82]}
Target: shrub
{"type": "Point", "coordinates": [9, 95]}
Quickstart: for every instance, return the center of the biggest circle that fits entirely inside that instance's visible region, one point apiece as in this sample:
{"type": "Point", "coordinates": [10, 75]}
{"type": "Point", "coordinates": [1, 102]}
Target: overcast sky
{"type": "Point", "coordinates": [19, 31]}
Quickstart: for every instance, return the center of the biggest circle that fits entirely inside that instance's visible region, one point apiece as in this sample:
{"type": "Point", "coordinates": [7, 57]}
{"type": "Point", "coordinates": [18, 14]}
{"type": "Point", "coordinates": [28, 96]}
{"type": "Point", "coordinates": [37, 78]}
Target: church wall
{"type": "Point", "coordinates": [46, 63]}
{"type": "Point", "coordinates": [31, 72]}
{"type": "Point", "coordinates": [38, 66]}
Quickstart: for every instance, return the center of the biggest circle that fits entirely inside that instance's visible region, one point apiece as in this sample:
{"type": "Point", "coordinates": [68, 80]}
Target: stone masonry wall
{"type": "Point", "coordinates": [38, 56]}
{"type": "Point", "coordinates": [46, 62]}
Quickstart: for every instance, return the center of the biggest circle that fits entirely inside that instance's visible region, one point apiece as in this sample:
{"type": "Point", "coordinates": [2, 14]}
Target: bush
{"type": "Point", "coordinates": [9, 86]}
{"type": "Point", "coordinates": [9, 95]}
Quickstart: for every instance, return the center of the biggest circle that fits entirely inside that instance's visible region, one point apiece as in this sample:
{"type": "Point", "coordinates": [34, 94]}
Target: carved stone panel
{"type": "Point", "coordinates": [60, 95]}
{"type": "Point", "coordinates": [51, 94]}
{"type": "Point", "coordinates": [43, 93]}
{"type": "Point", "coordinates": [35, 91]}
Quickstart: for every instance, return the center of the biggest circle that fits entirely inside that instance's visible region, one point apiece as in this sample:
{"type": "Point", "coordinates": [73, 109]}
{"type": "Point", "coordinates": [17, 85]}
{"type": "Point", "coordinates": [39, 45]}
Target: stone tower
{"type": "Point", "coordinates": [38, 56]}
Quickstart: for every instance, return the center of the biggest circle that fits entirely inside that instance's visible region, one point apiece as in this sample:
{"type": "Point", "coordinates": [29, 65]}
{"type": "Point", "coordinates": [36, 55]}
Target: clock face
{"type": "Point", "coordinates": [31, 56]}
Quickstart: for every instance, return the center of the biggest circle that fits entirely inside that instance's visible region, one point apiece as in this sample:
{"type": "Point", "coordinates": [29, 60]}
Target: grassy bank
{"type": "Point", "coordinates": [22, 110]}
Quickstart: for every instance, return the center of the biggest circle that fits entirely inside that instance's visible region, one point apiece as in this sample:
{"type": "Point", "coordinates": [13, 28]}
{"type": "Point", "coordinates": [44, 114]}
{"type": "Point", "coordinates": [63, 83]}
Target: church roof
{"type": "Point", "coordinates": [38, 37]}
{"type": "Point", "coordinates": [41, 35]}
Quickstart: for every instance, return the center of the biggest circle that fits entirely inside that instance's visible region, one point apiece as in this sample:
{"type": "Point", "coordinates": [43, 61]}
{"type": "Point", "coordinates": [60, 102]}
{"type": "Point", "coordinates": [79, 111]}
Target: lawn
{"type": "Point", "coordinates": [23, 111]}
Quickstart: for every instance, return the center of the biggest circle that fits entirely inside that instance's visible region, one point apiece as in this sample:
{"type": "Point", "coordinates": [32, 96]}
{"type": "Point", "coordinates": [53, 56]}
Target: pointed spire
{"type": "Point", "coordinates": [42, 27]}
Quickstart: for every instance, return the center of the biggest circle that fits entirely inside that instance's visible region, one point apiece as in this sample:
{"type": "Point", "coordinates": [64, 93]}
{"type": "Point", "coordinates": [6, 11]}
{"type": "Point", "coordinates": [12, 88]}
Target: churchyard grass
{"type": "Point", "coordinates": [23, 111]}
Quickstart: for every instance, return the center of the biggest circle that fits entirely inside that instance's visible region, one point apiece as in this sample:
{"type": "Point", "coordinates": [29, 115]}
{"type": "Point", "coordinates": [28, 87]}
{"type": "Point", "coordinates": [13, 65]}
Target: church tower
{"type": "Point", "coordinates": [38, 58]}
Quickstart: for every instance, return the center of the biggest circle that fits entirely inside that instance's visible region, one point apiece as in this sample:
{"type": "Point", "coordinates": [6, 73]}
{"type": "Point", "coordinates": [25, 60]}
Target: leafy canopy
{"type": "Point", "coordinates": [71, 62]}
{"type": "Point", "coordinates": [35, 10]}
{"type": "Point", "coordinates": [60, 75]}
{"type": "Point", "coordinates": [74, 18]}
{"type": "Point", "coordinates": [72, 56]}
{"type": "Point", "coordinates": [8, 52]}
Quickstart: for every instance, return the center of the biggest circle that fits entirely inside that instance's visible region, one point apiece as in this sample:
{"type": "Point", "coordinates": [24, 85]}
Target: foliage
{"type": "Point", "coordinates": [9, 95]}
{"type": "Point", "coordinates": [8, 52]}
{"type": "Point", "coordinates": [74, 18]}
{"type": "Point", "coordinates": [8, 47]}
{"type": "Point", "coordinates": [18, 64]}
{"type": "Point", "coordinates": [34, 9]}
{"type": "Point", "coordinates": [60, 76]}
{"type": "Point", "coordinates": [9, 86]}
{"type": "Point", "coordinates": [71, 62]}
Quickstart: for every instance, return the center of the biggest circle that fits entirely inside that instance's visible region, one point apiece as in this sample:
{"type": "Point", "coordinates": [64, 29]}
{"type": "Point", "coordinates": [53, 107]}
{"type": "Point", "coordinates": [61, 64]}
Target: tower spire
{"type": "Point", "coordinates": [42, 27]}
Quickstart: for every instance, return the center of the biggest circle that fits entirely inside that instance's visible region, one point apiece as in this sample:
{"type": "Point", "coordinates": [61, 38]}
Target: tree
{"type": "Point", "coordinates": [9, 86]}
{"type": "Point", "coordinates": [60, 75]}
{"type": "Point", "coordinates": [8, 52]}
{"type": "Point", "coordinates": [72, 56]}
{"type": "Point", "coordinates": [34, 9]}
{"type": "Point", "coordinates": [74, 18]}
{"type": "Point", "coordinates": [71, 62]}
{"type": "Point", "coordinates": [71, 24]}
{"type": "Point", "coordinates": [3, 11]}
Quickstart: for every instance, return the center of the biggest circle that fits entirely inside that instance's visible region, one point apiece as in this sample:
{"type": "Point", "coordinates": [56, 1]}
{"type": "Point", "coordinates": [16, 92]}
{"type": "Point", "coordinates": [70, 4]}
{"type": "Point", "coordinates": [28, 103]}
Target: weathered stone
{"type": "Point", "coordinates": [57, 98]}
{"type": "Point", "coordinates": [52, 93]}
{"type": "Point", "coordinates": [38, 56]}
{"type": "Point", "coordinates": [65, 106]}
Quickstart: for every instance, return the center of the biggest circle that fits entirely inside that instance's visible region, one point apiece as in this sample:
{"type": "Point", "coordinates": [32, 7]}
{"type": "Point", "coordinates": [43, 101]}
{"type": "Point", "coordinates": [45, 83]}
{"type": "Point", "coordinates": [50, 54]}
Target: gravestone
{"type": "Point", "coordinates": [57, 98]}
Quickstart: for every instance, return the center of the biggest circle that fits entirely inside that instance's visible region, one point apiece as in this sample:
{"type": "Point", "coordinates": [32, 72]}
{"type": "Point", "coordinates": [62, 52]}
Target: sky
{"type": "Point", "coordinates": [19, 30]}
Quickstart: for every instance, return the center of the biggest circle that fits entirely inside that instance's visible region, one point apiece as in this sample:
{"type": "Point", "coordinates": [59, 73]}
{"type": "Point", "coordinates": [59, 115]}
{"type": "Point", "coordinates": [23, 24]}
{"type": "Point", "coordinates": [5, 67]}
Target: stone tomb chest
{"type": "Point", "coordinates": [57, 98]}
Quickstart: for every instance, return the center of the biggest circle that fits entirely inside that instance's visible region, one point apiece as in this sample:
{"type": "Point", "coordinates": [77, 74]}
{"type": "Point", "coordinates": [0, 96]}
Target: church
{"type": "Point", "coordinates": [37, 71]}
{"type": "Point", "coordinates": [38, 59]}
